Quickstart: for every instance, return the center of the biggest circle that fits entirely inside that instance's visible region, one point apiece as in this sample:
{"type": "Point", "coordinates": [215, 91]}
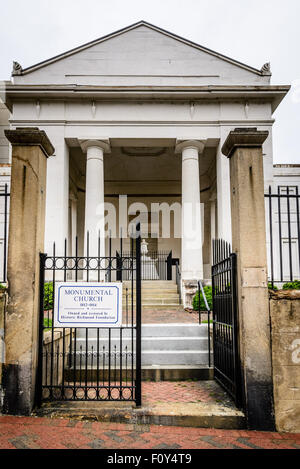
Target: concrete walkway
{"type": "Point", "coordinates": [45, 433]}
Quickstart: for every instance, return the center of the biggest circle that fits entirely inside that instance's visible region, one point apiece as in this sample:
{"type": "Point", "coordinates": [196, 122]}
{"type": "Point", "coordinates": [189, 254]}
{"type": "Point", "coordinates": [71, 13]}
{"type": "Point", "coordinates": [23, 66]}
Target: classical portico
{"type": "Point", "coordinates": [137, 118]}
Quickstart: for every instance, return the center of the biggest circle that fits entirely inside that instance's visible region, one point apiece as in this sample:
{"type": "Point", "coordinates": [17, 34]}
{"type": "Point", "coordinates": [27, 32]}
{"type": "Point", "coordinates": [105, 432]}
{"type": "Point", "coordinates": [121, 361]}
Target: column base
{"type": "Point", "coordinates": [189, 289]}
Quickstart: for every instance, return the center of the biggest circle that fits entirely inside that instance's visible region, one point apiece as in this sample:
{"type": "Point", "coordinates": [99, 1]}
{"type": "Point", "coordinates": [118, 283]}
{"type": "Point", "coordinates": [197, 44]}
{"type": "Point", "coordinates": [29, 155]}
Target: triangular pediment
{"type": "Point", "coordinates": [141, 54]}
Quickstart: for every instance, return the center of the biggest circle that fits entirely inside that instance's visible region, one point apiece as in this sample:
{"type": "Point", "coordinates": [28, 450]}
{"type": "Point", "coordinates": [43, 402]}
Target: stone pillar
{"type": "Point", "coordinates": [94, 195]}
{"type": "Point", "coordinates": [191, 229]}
{"type": "Point", "coordinates": [30, 149]}
{"type": "Point", "coordinates": [244, 149]}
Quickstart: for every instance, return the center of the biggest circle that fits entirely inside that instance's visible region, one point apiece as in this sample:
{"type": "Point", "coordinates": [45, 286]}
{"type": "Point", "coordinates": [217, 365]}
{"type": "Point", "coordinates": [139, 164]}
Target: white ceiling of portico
{"type": "Point", "coordinates": [119, 166]}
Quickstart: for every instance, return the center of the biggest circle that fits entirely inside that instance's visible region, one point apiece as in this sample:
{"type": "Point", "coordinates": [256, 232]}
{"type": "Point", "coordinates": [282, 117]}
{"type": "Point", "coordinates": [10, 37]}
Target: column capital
{"type": "Point", "coordinates": [243, 137]}
{"type": "Point", "coordinates": [181, 144]}
{"type": "Point", "coordinates": [103, 143]}
{"type": "Point", "coordinates": [30, 136]}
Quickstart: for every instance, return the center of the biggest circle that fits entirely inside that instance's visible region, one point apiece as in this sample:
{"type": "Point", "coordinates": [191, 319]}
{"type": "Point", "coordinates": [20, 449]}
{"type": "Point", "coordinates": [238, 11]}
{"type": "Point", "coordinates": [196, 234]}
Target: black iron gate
{"type": "Point", "coordinates": [94, 364]}
{"type": "Point", "coordinates": [225, 320]}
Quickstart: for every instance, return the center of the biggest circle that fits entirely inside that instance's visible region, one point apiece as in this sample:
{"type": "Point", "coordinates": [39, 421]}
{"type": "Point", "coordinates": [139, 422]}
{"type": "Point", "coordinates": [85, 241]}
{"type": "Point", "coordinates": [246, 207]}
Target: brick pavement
{"type": "Point", "coordinates": [165, 316]}
{"type": "Point", "coordinates": [45, 433]}
{"type": "Point", "coordinates": [183, 391]}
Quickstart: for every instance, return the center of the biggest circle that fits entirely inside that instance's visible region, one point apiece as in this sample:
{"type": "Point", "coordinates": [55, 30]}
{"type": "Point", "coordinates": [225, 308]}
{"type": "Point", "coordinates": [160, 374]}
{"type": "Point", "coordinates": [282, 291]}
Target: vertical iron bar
{"type": "Point", "coordinates": [52, 325]}
{"type": "Point", "coordinates": [237, 371]}
{"type": "Point", "coordinates": [298, 226]}
{"type": "Point", "coordinates": [208, 331]}
{"type": "Point", "coordinates": [110, 255]}
{"type": "Point", "coordinates": [121, 253]}
{"type": "Point", "coordinates": [289, 231]}
{"type": "Point", "coordinates": [86, 362]}
{"type": "Point", "coordinates": [109, 362]}
{"type": "Point", "coordinates": [5, 234]}
{"type": "Point", "coordinates": [39, 377]}
{"type": "Point", "coordinates": [199, 305]}
{"type": "Point", "coordinates": [98, 352]}
{"type": "Point", "coordinates": [271, 236]}
{"type": "Point", "coordinates": [87, 255]}
{"type": "Point", "coordinates": [280, 235]}
{"type": "Point", "coordinates": [64, 330]}
{"type": "Point", "coordinates": [138, 386]}
{"type": "Point", "coordinates": [98, 260]}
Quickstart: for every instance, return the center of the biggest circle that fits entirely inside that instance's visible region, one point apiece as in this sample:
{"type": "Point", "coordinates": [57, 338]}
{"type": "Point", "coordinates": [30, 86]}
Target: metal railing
{"type": "Point", "coordinates": [283, 234]}
{"type": "Point", "coordinates": [155, 265]}
{"type": "Point", "coordinates": [178, 281]}
{"type": "Point", "coordinates": [201, 290]}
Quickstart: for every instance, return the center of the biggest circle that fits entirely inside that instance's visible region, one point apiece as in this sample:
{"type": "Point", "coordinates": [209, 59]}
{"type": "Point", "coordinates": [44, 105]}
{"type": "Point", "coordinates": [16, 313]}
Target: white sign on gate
{"type": "Point", "coordinates": [88, 304]}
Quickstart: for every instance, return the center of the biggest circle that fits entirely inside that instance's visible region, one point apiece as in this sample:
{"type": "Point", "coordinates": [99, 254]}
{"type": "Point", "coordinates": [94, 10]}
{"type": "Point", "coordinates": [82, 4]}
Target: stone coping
{"type": "Point", "coordinates": [58, 334]}
{"type": "Point", "coordinates": [244, 137]}
{"type": "Point", "coordinates": [284, 295]}
{"type": "Point", "coordinates": [30, 136]}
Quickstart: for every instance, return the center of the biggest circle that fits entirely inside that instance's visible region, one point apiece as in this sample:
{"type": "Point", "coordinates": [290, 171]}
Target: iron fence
{"type": "Point", "coordinates": [155, 265]}
{"type": "Point", "coordinates": [225, 319]}
{"type": "Point", "coordinates": [283, 234]}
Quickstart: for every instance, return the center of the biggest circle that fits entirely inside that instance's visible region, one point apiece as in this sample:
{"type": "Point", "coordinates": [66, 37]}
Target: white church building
{"type": "Point", "coordinates": [142, 113]}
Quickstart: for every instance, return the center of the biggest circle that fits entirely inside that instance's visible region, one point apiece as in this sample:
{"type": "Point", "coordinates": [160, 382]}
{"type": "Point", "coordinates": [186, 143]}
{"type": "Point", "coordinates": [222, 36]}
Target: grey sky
{"type": "Point", "coordinates": [252, 31]}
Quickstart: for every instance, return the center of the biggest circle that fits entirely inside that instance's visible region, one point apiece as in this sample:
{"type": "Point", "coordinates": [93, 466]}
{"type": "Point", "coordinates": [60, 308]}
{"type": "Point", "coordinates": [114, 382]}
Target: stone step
{"type": "Point", "coordinates": [163, 287]}
{"type": "Point", "coordinates": [152, 294]}
{"type": "Point", "coordinates": [215, 414]}
{"type": "Point", "coordinates": [152, 291]}
{"type": "Point", "coordinates": [148, 343]}
{"type": "Point", "coordinates": [155, 302]}
{"type": "Point", "coordinates": [175, 357]}
{"type": "Point", "coordinates": [152, 330]}
{"type": "Point", "coordinates": [152, 297]}
{"type": "Point", "coordinates": [149, 357]}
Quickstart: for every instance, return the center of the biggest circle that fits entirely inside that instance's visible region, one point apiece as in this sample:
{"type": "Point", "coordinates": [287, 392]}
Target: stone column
{"type": "Point", "coordinates": [191, 230]}
{"type": "Point", "coordinates": [94, 196]}
{"type": "Point", "coordinates": [244, 148]}
{"type": "Point", "coordinates": [30, 149]}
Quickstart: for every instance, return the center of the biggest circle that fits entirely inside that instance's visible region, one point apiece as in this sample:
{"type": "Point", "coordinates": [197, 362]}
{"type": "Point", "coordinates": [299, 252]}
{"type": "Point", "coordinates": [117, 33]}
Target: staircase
{"type": "Point", "coordinates": [172, 351]}
{"type": "Point", "coordinates": [169, 351]}
{"type": "Point", "coordinates": [156, 294]}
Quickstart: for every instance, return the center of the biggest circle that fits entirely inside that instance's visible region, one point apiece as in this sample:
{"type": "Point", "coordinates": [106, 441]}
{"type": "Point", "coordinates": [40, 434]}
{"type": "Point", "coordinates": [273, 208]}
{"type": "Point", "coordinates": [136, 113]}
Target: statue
{"type": "Point", "coordinates": [144, 248]}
